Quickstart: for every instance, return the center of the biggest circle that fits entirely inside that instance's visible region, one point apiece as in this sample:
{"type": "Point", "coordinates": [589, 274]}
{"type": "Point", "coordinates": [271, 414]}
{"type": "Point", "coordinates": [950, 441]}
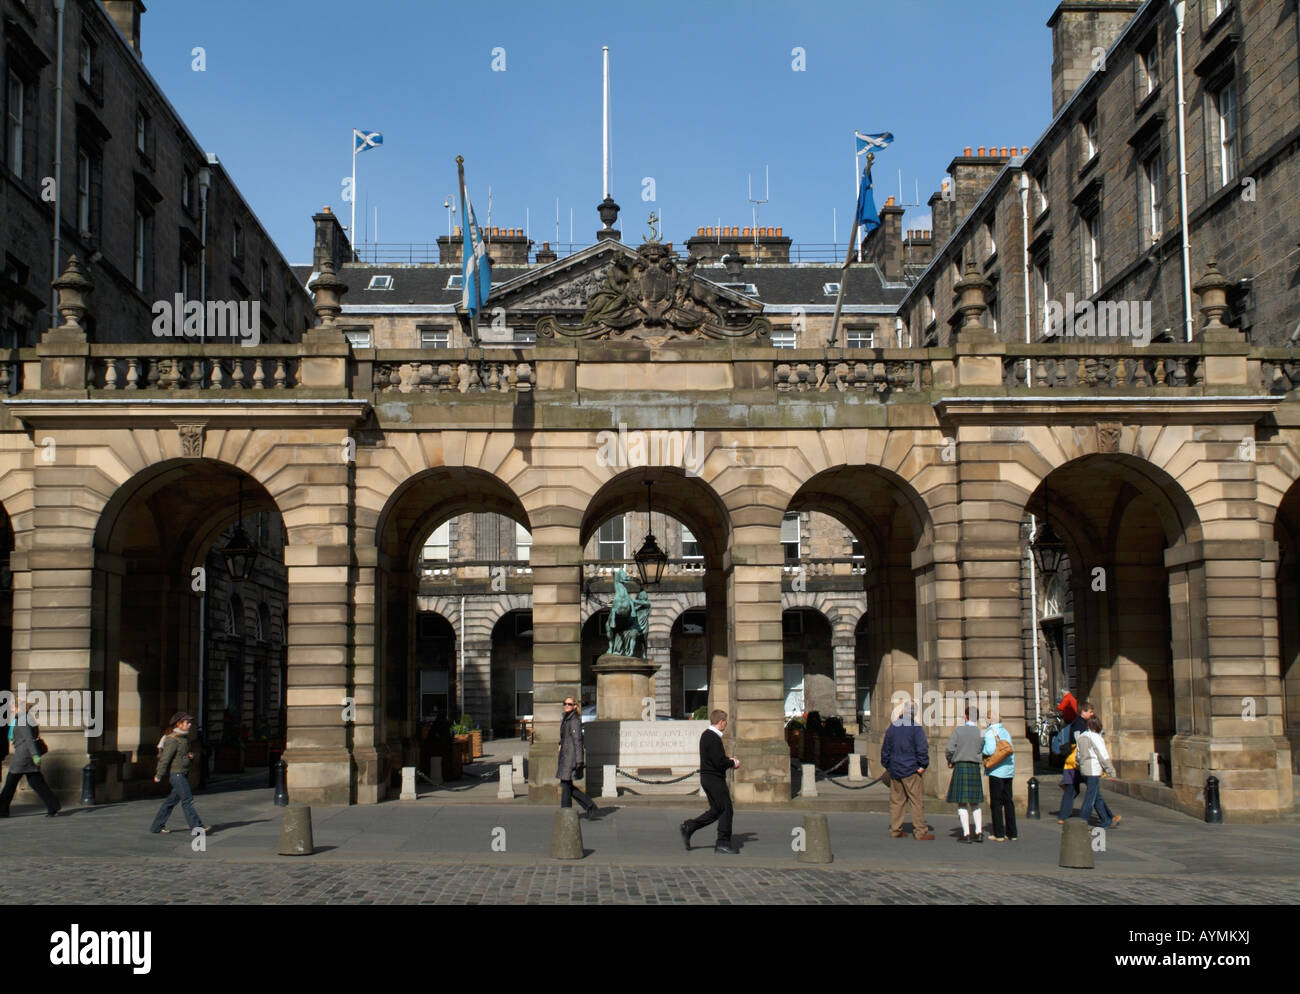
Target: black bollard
{"type": "Point", "coordinates": [1032, 810]}
{"type": "Point", "coordinates": [88, 784]}
{"type": "Point", "coordinates": [281, 784]}
{"type": "Point", "coordinates": [1213, 812]}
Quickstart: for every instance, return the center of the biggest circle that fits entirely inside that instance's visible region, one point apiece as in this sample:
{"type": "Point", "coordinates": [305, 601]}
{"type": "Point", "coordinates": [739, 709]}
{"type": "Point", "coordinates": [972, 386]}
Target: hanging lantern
{"type": "Point", "coordinates": [650, 559]}
{"type": "Point", "coordinates": [1049, 551]}
{"type": "Point", "coordinates": [240, 553]}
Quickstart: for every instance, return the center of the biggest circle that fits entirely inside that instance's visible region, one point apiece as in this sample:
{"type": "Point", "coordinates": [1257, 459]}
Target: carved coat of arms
{"type": "Point", "coordinates": [658, 297]}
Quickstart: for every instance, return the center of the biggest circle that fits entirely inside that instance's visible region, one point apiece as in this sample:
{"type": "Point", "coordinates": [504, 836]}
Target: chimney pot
{"type": "Point", "coordinates": [981, 150]}
{"type": "Point", "coordinates": [1004, 151]}
{"type": "Point", "coordinates": [967, 152]}
{"type": "Point", "coordinates": [699, 232]}
{"type": "Point", "coordinates": [778, 232]}
{"type": "Point", "coordinates": [1024, 149]}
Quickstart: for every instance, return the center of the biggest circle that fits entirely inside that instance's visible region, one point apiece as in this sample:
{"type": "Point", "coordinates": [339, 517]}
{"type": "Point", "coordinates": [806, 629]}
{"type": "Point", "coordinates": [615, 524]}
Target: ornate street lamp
{"type": "Point", "coordinates": [1048, 549]}
{"type": "Point", "coordinates": [240, 553]}
{"type": "Point", "coordinates": [650, 559]}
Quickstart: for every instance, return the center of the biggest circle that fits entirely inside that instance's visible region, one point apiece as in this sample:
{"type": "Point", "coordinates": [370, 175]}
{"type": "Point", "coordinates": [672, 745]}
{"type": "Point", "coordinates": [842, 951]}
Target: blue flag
{"type": "Point", "coordinates": [871, 143]}
{"type": "Point", "coordinates": [868, 219]}
{"type": "Point", "coordinates": [362, 140]}
{"type": "Point", "coordinates": [478, 274]}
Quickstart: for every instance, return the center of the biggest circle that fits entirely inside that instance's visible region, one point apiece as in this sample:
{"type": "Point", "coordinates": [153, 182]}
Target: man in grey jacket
{"type": "Point", "coordinates": [572, 759]}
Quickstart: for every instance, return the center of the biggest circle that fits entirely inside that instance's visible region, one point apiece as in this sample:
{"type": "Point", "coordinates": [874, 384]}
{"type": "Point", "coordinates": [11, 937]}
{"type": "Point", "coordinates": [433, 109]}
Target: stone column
{"type": "Point", "coordinates": [755, 558]}
{"type": "Point", "coordinates": [843, 651]}
{"type": "Point", "coordinates": [321, 679]}
{"type": "Point", "coordinates": [556, 559]}
{"type": "Point", "coordinates": [368, 747]}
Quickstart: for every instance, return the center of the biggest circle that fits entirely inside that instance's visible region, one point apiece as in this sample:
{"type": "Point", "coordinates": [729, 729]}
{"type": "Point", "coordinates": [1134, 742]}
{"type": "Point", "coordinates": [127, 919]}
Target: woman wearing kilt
{"type": "Point", "coordinates": [966, 789]}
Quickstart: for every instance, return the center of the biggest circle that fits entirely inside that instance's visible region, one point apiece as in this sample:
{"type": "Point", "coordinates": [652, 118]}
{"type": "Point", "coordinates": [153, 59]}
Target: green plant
{"type": "Point", "coordinates": [833, 728]}
{"type": "Point", "coordinates": [701, 713]}
{"type": "Point", "coordinates": [464, 725]}
{"type": "Point", "coordinates": [796, 723]}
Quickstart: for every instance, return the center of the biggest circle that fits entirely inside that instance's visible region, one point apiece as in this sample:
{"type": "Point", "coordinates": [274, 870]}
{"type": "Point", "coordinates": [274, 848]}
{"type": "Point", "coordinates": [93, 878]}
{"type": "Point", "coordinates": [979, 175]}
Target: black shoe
{"type": "Point", "coordinates": [592, 813]}
{"type": "Point", "coordinates": [727, 849]}
{"type": "Point", "coordinates": [965, 838]}
{"type": "Point", "coordinates": [686, 830]}
{"type": "Point", "coordinates": [979, 837]}
{"type": "Point", "coordinates": [53, 814]}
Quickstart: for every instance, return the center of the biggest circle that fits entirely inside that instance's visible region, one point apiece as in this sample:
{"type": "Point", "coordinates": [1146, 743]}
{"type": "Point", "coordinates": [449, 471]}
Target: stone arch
{"type": "Point", "coordinates": [156, 563]}
{"type": "Point", "coordinates": [1137, 583]}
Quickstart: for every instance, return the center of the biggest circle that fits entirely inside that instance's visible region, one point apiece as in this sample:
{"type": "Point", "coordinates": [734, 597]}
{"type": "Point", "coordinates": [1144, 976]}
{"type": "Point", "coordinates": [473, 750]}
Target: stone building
{"type": "Point", "coordinates": [145, 209]}
{"type": "Point", "coordinates": [1162, 482]}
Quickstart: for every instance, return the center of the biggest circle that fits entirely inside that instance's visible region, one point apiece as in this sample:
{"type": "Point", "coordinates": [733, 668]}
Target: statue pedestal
{"type": "Point", "coordinates": [622, 685]}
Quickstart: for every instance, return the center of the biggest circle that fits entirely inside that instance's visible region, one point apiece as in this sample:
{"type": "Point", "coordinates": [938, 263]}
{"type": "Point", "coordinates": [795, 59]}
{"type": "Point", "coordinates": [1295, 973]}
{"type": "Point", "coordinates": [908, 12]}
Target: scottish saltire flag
{"type": "Point", "coordinates": [478, 275]}
{"type": "Point", "coordinates": [363, 140]}
{"type": "Point", "coordinates": [868, 219]}
{"type": "Point", "coordinates": [868, 143]}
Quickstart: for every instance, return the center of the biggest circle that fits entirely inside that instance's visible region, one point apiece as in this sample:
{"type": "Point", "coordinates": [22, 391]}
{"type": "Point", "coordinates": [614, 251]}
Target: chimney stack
{"type": "Point", "coordinates": [126, 15]}
{"type": "Point", "coordinates": [1081, 31]}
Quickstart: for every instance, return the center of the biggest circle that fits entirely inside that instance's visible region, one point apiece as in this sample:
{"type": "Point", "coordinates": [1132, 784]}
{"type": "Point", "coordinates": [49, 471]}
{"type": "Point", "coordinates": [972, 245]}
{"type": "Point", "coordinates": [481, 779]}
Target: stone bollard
{"type": "Point", "coordinates": [295, 831]}
{"type": "Point", "coordinates": [408, 784]}
{"type": "Point", "coordinates": [1031, 810]}
{"type": "Point", "coordinates": [855, 767]}
{"type": "Point", "coordinates": [566, 836]}
{"type": "Point", "coordinates": [435, 771]}
{"type": "Point", "coordinates": [517, 770]}
{"type": "Point", "coordinates": [505, 783]}
{"type": "Point", "coordinates": [808, 781]}
{"type": "Point", "coordinates": [88, 783]}
{"type": "Point", "coordinates": [817, 839]}
{"type": "Point", "coordinates": [1213, 811]}
{"type": "Point", "coordinates": [1155, 767]}
{"type": "Point", "coordinates": [609, 782]}
{"type": "Point", "coordinates": [281, 783]}
{"type": "Point", "coordinates": [1076, 845]}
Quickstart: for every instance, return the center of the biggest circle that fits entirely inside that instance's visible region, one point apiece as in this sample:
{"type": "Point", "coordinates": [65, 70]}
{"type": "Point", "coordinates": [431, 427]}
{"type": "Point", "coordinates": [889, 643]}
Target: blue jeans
{"type": "Point", "coordinates": [182, 795]}
{"type": "Point", "coordinates": [1092, 796]}
{"type": "Point", "coordinates": [1067, 796]}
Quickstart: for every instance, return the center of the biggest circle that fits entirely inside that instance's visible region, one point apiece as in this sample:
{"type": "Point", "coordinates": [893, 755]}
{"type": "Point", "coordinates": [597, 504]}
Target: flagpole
{"type": "Point", "coordinates": [352, 227]}
{"type": "Point", "coordinates": [844, 272]}
{"type": "Point", "coordinates": [464, 220]}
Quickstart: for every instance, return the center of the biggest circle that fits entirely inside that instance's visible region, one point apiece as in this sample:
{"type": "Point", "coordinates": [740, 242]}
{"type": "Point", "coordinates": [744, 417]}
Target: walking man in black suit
{"type": "Point", "coordinates": [714, 764]}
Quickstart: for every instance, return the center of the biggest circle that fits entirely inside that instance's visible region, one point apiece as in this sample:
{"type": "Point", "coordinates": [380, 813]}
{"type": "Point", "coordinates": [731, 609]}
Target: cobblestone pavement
{"type": "Point", "coordinates": [143, 881]}
{"type": "Point", "coordinates": [431, 851]}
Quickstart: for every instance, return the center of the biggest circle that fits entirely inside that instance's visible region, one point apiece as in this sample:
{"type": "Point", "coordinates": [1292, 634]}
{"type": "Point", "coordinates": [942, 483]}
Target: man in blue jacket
{"type": "Point", "coordinates": [905, 755]}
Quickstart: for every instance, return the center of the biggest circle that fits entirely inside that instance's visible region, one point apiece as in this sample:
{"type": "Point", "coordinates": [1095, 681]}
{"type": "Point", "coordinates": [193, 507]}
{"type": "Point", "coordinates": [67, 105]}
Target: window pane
{"type": "Point", "coordinates": [611, 540]}
{"type": "Point", "coordinates": [438, 545]}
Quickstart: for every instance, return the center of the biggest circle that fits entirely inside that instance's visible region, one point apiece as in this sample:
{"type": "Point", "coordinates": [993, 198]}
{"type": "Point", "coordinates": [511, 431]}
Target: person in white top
{"type": "Point", "coordinates": [1094, 759]}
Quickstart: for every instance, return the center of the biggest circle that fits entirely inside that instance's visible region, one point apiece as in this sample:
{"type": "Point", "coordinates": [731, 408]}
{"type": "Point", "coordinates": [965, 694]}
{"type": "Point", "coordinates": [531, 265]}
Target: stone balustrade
{"type": "Point", "coordinates": [144, 368]}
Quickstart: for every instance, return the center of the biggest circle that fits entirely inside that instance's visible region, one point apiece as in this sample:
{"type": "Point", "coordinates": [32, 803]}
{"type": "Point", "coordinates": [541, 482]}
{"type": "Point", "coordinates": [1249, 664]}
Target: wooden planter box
{"type": "Point", "coordinates": [833, 750]}
{"type": "Point", "coordinates": [811, 741]}
{"type": "Point", "coordinates": [794, 739]}
{"type": "Point", "coordinates": [256, 753]}
{"type": "Point", "coordinates": [476, 743]}
{"type": "Point", "coordinates": [464, 749]}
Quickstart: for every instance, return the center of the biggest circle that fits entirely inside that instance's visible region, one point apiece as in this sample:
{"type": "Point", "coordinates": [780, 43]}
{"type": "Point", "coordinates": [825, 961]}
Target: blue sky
{"type": "Point", "coordinates": [703, 94]}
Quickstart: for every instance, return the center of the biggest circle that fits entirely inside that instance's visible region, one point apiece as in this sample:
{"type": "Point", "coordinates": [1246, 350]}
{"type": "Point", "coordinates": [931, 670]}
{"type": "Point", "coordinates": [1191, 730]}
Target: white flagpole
{"type": "Point", "coordinates": [352, 227]}
{"type": "Point", "coordinates": [604, 151]}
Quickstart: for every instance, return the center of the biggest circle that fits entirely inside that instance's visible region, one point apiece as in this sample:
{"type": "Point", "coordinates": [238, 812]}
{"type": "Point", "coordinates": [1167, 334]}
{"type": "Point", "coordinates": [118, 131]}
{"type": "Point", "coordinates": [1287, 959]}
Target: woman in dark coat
{"type": "Point", "coordinates": [25, 763]}
{"type": "Point", "coordinates": [572, 756]}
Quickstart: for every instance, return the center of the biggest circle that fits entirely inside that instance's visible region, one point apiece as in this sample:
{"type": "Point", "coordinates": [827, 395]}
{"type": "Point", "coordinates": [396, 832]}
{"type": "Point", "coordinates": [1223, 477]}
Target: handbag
{"type": "Point", "coordinates": [579, 771]}
{"type": "Point", "coordinates": [1000, 752]}
{"type": "Point", "coordinates": [39, 748]}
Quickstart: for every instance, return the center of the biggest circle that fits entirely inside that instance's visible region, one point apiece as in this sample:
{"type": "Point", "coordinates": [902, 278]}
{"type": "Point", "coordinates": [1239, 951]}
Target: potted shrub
{"type": "Point", "coordinates": [795, 729]}
{"type": "Point", "coordinates": [460, 732]}
{"type": "Point", "coordinates": [835, 743]}
{"type": "Point", "coordinates": [701, 713]}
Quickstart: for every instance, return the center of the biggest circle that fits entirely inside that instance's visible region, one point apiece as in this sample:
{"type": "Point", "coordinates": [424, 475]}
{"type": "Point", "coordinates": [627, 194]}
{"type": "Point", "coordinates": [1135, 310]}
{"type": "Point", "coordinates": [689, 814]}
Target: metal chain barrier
{"type": "Point", "coordinates": [624, 773]}
{"type": "Point", "coordinates": [838, 781]}
{"type": "Point", "coordinates": [482, 779]}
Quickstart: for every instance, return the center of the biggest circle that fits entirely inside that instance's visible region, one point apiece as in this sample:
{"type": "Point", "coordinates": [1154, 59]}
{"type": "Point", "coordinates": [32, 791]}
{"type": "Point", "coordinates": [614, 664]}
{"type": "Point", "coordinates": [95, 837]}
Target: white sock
{"type": "Point", "coordinates": [964, 815]}
{"type": "Point", "coordinates": [979, 821]}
